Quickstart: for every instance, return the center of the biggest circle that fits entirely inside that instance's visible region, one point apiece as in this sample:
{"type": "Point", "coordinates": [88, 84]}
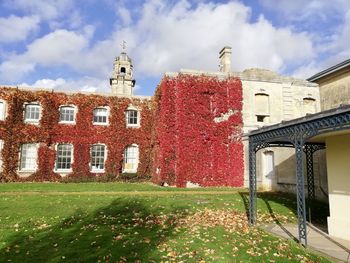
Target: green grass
{"type": "Point", "coordinates": [96, 187]}
{"type": "Point", "coordinates": [94, 222]}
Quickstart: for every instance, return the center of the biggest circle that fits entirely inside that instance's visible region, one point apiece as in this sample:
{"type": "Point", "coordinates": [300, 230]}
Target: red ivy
{"type": "Point", "coordinates": [82, 135]}
{"type": "Point", "coordinates": [189, 145]}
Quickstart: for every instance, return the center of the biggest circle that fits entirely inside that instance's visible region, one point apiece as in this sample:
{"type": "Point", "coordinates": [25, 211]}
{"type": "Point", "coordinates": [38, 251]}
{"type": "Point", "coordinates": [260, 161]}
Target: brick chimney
{"type": "Point", "coordinates": [225, 59]}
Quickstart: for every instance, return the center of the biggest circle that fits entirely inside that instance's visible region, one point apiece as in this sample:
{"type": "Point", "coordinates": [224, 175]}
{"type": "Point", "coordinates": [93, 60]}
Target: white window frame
{"type": "Point", "coordinates": [3, 115]}
{"type": "Point", "coordinates": [30, 169]}
{"type": "Point", "coordinates": [75, 108]}
{"type": "Point", "coordinates": [127, 112]}
{"type": "Point", "coordinates": [1, 148]}
{"type": "Point", "coordinates": [32, 121]}
{"type": "Point", "coordinates": [107, 116]}
{"type": "Point", "coordinates": [94, 169]}
{"type": "Point", "coordinates": [64, 170]}
{"type": "Point", "coordinates": [125, 158]}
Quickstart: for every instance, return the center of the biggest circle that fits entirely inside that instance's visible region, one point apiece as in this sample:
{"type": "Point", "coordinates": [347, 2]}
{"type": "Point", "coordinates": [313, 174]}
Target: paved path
{"type": "Point", "coordinates": [336, 248]}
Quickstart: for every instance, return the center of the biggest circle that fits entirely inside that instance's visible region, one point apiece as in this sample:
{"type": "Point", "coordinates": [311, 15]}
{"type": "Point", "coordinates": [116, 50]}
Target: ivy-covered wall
{"type": "Point", "coordinates": [14, 132]}
{"type": "Point", "coordinates": [198, 130]}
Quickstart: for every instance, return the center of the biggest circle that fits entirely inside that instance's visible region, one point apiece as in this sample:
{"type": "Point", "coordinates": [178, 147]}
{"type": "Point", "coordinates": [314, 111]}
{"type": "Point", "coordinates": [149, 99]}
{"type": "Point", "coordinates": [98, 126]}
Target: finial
{"type": "Point", "coordinates": [123, 45]}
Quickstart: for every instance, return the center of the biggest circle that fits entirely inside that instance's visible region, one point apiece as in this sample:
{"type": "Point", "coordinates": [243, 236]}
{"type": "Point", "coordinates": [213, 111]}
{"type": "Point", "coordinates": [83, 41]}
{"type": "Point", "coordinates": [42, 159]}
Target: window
{"type": "Point", "coordinates": [32, 113]}
{"type": "Point", "coordinates": [2, 110]}
{"type": "Point", "coordinates": [98, 153]}
{"type": "Point", "coordinates": [132, 117]}
{"type": "Point", "coordinates": [261, 118]}
{"type": "Point", "coordinates": [122, 70]}
{"type": "Point", "coordinates": [64, 157]}
{"type": "Point", "coordinates": [309, 106]}
{"type": "Point", "coordinates": [131, 159]}
{"type": "Point", "coordinates": [67, 114]}
{"type": "Point", "coordinates": [262, 107]}
{"type": "Point", "coordinates": [100, 116]}
{"type": "Point", "coordinates": [1, 147]}
{"type": "Point", "coordinates": [28, 158]}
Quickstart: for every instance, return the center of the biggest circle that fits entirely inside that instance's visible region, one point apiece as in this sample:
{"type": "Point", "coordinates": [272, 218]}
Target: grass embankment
{"type": "Point", "coordinates": [116, 222]}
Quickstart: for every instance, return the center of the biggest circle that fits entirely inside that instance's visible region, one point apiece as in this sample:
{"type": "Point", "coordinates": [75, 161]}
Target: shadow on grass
{"type": "Point", "coordinates": [277, 202]}
{"type": "Point", "coordinates": [124, 231]}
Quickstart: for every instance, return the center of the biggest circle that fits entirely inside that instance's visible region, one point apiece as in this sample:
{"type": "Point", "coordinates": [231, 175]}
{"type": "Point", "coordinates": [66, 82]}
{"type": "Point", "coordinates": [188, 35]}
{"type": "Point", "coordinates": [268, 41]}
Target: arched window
{"type": "Point", "coordinates": [100, 116]}
{"type": "Point", "coordinates": [262, 107]}
{"type": "Point", "coordinates": [67, 114]}
{"type": "Point", "coordinates": [131, 159]}
{"type": "Point", "coordinates": [122, 70]}
{"type": "Point", "coordinates": [64, 157]}
{"type": "Point", "coordinates": [28, 157]}
{"type": "Point", "coordinates": [132, 115]}
{"type": "Point", "coordinates": [32, 113]}
{"type": "Point", "coordinates": [98, 157]}
{"type": "Point", "coordinates": [2, 110]}
{"type": "Point", "coordinates": [309, 106]}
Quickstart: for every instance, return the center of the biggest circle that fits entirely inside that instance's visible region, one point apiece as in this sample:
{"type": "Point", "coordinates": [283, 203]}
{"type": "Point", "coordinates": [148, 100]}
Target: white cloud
{"type": "Point", "coordinates": [60, 47]}
{"type": "Point", "coordinates": [335, 50]}
{"type": "Point", "coordinates": [166, 38]}
{"type": "Point", "coordinates": [85, 84]}
{"type": "Point", "coordinates": [15, 28]}
{"type": "Point", "coordinates": [182, 37]}
{"type": "Point", "coordinates": [46, 9]}
{"type": "Point", "coordinates": [306, 9]}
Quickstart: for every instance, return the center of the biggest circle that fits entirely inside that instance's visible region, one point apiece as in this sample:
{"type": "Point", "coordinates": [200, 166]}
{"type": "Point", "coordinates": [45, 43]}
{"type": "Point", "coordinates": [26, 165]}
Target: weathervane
{"type": "Point", "coordinates": [123, 45]}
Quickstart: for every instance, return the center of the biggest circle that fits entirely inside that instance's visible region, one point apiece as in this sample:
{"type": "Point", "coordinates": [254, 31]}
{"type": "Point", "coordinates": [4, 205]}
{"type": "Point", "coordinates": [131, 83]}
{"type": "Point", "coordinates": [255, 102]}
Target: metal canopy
{"type": "Point", "coordinates": [297, 133]}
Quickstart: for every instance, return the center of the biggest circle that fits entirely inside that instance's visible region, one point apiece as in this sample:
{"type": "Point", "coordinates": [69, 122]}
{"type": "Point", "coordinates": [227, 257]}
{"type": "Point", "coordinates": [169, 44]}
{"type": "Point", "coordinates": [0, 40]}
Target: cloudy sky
{"type": "Point", "coordinates": [71, 44]}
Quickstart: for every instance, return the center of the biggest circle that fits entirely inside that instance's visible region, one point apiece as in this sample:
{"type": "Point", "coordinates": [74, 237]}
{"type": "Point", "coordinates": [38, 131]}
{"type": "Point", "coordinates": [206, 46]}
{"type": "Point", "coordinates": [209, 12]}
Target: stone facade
{"type": "Point", "coordinates": [334, 85]}
{"type": "Point", "coordinates": [269, 98]}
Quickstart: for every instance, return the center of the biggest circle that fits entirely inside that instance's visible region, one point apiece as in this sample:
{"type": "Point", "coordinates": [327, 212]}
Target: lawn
{"type": "Point", "coordinates": [119, 222]}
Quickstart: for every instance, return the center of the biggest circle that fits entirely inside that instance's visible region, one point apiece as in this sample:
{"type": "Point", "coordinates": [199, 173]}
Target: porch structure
{"type": "Point", "coordinates": [307, 135]}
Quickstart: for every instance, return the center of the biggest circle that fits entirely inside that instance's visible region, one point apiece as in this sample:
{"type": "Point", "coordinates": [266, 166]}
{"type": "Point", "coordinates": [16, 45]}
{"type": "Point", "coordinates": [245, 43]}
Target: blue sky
{"type": "Point", "coordinates": [71, 44]}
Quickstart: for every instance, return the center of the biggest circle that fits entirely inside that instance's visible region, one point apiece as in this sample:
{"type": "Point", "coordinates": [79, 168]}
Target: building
{"type": "Point", "coordinates": [198, 129]}
{"type": "Point", "coordinates": [46, 135]}
{"type": "Point", "coordinates": [189, 133]}
{"type": "Point", "coordinates": [329, 130]}
{"type": "Point", "coordinates": [269, 98]}
{"type": "Point", "coordinates": [334, 84]}
{"type": "Point", "coordinates": [266, 99]}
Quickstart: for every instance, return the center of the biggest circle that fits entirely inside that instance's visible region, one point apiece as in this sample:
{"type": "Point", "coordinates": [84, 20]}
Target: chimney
{"type": "Point", "coordinates": [225, 59]}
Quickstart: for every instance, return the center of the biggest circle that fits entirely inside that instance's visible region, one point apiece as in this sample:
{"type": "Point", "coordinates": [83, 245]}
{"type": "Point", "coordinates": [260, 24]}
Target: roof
{"type": "Point", "coordinates": [36, 89]}
{"type": "Point", "coordinates": [330, 70]}
{"type": "Point", "coordinates": [307, 118]}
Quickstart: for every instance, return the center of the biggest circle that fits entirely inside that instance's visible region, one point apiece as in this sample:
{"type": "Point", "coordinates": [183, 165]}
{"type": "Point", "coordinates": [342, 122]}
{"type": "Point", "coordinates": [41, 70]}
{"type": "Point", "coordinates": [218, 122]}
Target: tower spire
{"type": "Point", "coordinates": [122, 82]}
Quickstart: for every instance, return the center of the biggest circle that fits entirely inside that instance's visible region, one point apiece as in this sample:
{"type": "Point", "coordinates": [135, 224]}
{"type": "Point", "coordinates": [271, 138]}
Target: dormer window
{"type": "Point", "coordinates": [67, 114]}
{"type": "Point", "coordinates": [32, 113]}
{"type": "Point", "coordinates": [132, 117]}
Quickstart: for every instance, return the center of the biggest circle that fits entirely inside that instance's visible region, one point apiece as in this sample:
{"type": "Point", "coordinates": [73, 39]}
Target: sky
{"type": "Point", "coordinates": [70, 45]}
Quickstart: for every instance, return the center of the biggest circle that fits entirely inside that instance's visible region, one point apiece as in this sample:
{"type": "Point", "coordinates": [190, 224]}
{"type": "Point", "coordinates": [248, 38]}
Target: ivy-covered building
{"type": "Point", "coordinates": [47, 135]}
{"type": "Point", "coordinates": [190, 133]}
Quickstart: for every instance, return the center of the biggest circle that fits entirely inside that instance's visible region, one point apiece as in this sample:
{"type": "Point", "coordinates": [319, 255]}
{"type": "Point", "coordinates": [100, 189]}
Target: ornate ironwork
{"type": "Point", "coordinates": [299, 143]}
{"type": "Point", "coordinates": [252, 183]}
{"type": "Point", "coordinates": [296, 132]}
{"type": "Point", "coordinates": [309, 150]}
